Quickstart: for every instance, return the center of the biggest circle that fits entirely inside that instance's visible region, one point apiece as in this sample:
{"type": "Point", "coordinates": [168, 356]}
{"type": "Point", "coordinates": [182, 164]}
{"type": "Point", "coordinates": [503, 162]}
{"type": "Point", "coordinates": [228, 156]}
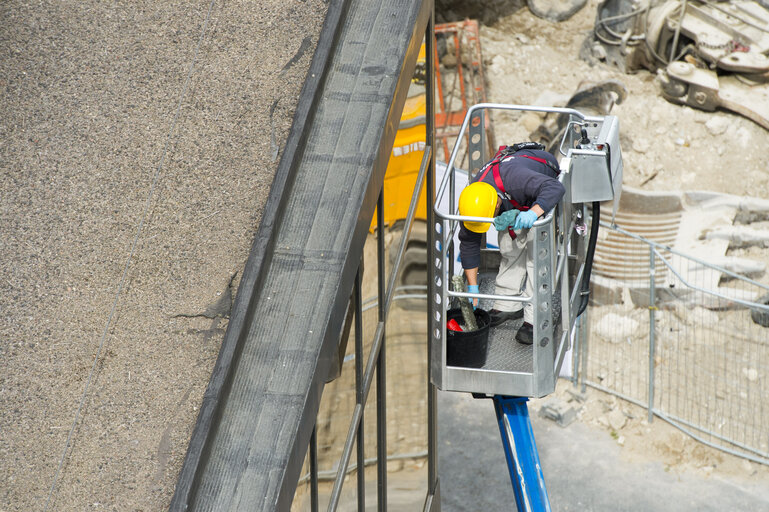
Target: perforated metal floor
{"type": "Point", "coordinates": [504, 353]}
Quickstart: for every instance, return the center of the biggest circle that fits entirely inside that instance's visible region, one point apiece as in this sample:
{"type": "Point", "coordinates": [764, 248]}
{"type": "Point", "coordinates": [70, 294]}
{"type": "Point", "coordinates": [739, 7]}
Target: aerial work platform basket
{"type": "Point", "coordinates": [591, 172]}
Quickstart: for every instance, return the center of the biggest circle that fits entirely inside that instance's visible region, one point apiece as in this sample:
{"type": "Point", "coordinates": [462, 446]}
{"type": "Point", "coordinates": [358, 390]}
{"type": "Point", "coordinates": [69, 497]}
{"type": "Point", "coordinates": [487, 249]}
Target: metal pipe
{"type": "Point", "coordinates": [679, 253]}
{"type": "Point", "coordinates": [407, 226]}
{"type": "Point", "coordinates": [330, 474]}
{"type": "Point", "coordinates": [678, 32]}
{"type": "Point", "coordinates": [359, 398]}
{"type": "Point", "coordinates": [344, 461]}
{"type": "Point", "coordinates": [368, 377]}
{"type": "Point", "coordinates": [585, 339]}
{"type": "Point", "coordinates": [314, 469]}
{"type": "Point", "coordinates": [575, 350]}
{"type": "Point", "coordinates": [511, 298]}
{"type": "Point", "coordinates": [709, 292]}
{"type": "Point", "coordinates": [490, 220]}
{"type": "Point", "coordinates": [521, 454]}
{"type": "Point", "coordinates": [381, 366]}
{"type": "Point", "coordinates": [760, 457]}
{"type": "Point", "coordinates": [432, 398]}
{"type": "Point", "coordinates": [652, 310]}
{"type": "Point", "coordinates": [501, 106]}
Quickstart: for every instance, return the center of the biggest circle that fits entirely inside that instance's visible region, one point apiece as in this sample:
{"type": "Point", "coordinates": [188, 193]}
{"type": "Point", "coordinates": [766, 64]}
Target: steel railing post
{"type": "Point", "coordinates": [652, 309]}
{"type": "Point", "coordinates": [314, 469]}
{"type": "Point", "coordinates": [432, 395]}
{"type": "Point", "coordinates": [381, 378]}
{"type": "Point", "coordinates": [359, 396]}
{"type": "Point", "coordinates": [584, 341]}
{"type": "Point", "coordinates": [575, 350]}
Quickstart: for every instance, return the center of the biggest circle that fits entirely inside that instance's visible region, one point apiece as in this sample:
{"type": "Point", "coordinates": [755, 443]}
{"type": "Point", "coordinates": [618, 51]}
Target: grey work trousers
{"type": "Point", "coordinates": [516, 271]}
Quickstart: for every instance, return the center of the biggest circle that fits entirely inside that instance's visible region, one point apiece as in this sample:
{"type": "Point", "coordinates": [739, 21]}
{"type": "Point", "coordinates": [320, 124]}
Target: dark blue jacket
{"type": "Point", "coordinates": [526, 181]}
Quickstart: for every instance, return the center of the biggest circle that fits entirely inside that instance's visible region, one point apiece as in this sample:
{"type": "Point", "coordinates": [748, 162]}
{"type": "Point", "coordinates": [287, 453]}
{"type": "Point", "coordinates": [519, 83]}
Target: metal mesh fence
{"type": "Point", "coordinates": [681, 342]}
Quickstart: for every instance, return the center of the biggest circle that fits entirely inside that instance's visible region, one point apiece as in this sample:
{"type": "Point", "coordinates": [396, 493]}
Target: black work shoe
{"type": "Point", "coordinates": [499, 317]}
{"type": "Point", "coordinates": [525, 334]}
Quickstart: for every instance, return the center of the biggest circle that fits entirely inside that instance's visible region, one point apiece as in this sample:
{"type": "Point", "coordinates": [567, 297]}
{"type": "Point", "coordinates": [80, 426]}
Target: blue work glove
{"type": "Point", "coordinates": [525, 220]}
{"type": "Point", "coordinates": [473, 288]}
{"type": "Point", "coordinates": [505, 219]}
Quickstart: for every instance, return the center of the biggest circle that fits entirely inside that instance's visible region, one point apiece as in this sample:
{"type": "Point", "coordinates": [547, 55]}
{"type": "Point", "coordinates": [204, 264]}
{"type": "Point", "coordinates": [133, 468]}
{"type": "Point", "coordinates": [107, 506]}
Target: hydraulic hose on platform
{"type": "Point", "coordinates": [584, 291]}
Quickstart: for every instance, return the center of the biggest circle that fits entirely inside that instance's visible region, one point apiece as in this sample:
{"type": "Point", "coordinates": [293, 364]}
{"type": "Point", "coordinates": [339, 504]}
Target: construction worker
{"type": "Point", "coordinates": [516, 188]}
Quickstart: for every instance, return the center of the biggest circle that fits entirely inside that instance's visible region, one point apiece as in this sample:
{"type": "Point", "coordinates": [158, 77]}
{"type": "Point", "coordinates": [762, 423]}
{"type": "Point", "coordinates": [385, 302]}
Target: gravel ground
{"type": "Point", "coordinates": [139, 142]}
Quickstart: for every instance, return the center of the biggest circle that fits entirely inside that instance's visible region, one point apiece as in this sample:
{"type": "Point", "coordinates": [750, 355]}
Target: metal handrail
{"type": "Point", "coordinates": [690, 427]}
{"type": "Point", "coordinates": [374, 354]}
{"type": "Point", "coordinates": [683, 255]}
{"type": "Point", "coordinates": [490, 220]}
{"type": "Point", "coordinates": [705, 290]}
{"type": "Point", "coordinates": [501, 106]}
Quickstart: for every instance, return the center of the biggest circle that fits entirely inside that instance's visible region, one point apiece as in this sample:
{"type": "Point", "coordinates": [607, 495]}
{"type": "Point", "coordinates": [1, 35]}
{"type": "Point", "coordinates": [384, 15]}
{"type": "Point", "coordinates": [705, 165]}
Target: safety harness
{"type": "Point", "coordinates": [507, 151]}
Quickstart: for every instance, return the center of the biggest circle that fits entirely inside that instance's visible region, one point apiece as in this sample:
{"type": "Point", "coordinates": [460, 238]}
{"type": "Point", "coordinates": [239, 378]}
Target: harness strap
{"type": "Point", "coordinates": [503, 152]}
{"type": "Point", "coordinates": [543, 161]}
{"type": "Point", "coordinates": [494, 166]}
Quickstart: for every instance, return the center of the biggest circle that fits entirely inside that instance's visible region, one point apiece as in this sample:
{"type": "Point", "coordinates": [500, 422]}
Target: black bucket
{"type": "Point", "coordinates": [467, 349]}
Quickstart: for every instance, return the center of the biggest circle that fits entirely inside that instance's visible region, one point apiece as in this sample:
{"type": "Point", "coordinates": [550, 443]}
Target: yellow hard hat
{"type": "Point", "coordinates": [478, 200]}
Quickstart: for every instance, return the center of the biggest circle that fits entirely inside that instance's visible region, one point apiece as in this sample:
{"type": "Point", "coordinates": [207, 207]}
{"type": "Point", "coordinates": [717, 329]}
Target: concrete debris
{"type": "Point", "coordinates": [550, 98]}
{"type": "Point", "coordinates": [498, 64]}
{"type": "Point", "coordinates": [739, 236]}
{"type": "Point", "coordinates": [717, 125]}
{"type": "Point", "coordinates": [707, 199]}
{"type": "Point", "coordinates": [575, 395]}
{"type": "Point", "coordinates": [742, 266]}
{"type": "Point", "coordinates": [641, 145]}
{"type": "Point", "coordinates": [704, 316]}
{"type": "Point", "coordinates": [617, 419]}
{"type": "Point", "coordinates": [616, 328]}
{"type": "Point", "coordinates": [558, 411]}
{"type": "Point", "coordinates": [751, 374]}
{"type": "Point", "coordinates": [530, 121]}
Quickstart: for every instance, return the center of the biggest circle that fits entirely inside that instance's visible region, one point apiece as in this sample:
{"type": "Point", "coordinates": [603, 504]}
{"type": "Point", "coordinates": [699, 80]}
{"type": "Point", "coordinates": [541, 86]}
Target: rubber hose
{"type": "Point", "coordinates": [584, 291]}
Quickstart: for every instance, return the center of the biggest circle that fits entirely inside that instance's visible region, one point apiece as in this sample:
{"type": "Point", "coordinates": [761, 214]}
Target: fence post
{"type": "Point", "coordinates": [584, 339]}
{"type": "Point", "coordinates": [652, 310]}
{"type": "Point", "coordinates": [575, 349]}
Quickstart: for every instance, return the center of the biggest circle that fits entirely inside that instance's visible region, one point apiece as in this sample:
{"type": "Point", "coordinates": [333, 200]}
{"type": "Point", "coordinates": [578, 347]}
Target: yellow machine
{"type": "Point", "coordinates": [458, 84]}
{"type": "Point", "coordinates": [405, 159]}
